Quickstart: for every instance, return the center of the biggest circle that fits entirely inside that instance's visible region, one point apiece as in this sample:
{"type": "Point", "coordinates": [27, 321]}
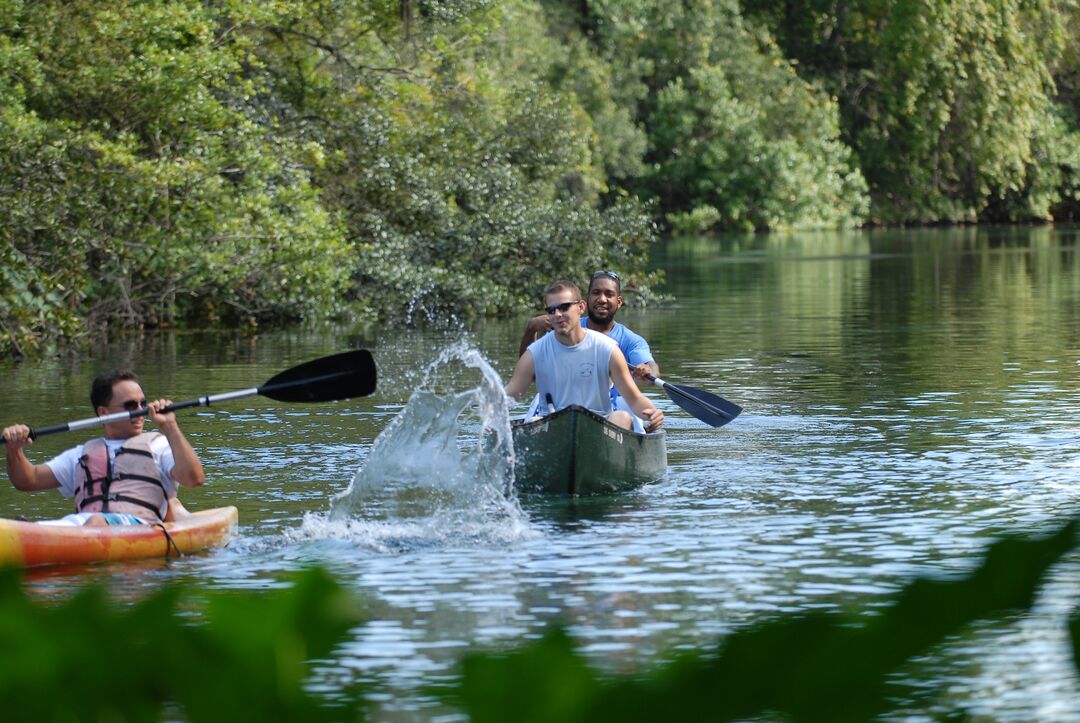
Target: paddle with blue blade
{"type": "Point", "coordinates": [327, 379]}
{"type": "Point", "coordinates": [709, 408]}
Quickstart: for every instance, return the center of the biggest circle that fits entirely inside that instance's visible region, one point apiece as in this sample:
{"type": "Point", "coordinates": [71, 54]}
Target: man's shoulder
{"type": "Point", "coordinates": [72, 452]}
{"type": "Point", "coordinates": [64, 464]}
{"type": "Point", "coordinates": [626, 335]}
{"type": "Point", "coordinates": [599, 337]}
{"type": "Point", "coordinates": [142, 439]}
{"type": "Point", "coordinates": [622, 329]}
{"type": "Point", "coordinates": [157, 442]}
{"type": "Point", "coordinates": [541, 343]}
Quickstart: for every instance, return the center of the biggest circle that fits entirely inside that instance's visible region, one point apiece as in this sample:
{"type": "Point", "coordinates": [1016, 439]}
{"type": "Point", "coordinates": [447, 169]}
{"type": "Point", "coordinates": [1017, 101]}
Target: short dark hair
{"type": "Point", "coordinates": [558, 286]}
{"type": "Point", "coordinates": [606, 275]}
{"type": "Point", "coordinates": [101, 389]}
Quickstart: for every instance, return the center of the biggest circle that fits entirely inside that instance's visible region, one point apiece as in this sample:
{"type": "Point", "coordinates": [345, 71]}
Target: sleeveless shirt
{"type": "Point", "coordinates": [577, 374]}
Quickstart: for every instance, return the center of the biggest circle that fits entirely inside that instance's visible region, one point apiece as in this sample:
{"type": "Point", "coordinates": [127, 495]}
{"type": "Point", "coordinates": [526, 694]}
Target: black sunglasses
{"type": "Point", "coordinates": [610, 274]}
{"type": "Point", "coordinates": [563, 307]}
{"type": "Point", "coordinates": [131, 405]}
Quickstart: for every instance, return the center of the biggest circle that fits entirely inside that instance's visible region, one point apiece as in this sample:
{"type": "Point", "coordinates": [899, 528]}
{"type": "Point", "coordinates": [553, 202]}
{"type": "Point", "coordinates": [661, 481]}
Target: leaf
{"type": "Point", "coordinates": [812, 667]}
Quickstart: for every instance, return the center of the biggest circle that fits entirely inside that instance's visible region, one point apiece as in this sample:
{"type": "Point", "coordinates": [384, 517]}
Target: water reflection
{"type": "Point", "coordinates": [573, 514]}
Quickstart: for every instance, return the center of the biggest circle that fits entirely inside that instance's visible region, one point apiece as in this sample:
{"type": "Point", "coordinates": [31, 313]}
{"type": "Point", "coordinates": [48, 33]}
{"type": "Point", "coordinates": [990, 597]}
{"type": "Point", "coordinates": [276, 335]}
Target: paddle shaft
{"type": "Point", "coordinates": [345, 370]}
{"type": "Point", "coordinates": [122, 416]}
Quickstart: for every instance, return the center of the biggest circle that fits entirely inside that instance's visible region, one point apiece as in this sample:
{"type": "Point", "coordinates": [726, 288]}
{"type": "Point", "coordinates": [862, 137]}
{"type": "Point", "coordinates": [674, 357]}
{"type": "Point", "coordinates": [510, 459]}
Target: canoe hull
{"type": "Point", "coordinates": [28, 544]}
{"type": "Point", "coordinates": [575, 451]}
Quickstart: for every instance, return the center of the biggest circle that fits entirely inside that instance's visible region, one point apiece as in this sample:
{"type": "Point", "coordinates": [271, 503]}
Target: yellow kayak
{"type": "Point", "coordinates": [28, 544]}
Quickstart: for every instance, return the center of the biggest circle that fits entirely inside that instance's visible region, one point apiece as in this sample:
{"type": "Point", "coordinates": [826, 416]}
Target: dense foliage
{"type": "Point", "coordinates": [238, 162]}
{"type": "Point", "coordinates": [958, 110]}
{"type": "Point", "coordinates": [245, 656]}
{"type": "Point", "coordinates": [138, 186]}
{"type": "Point", "coordinates": [736, 139]}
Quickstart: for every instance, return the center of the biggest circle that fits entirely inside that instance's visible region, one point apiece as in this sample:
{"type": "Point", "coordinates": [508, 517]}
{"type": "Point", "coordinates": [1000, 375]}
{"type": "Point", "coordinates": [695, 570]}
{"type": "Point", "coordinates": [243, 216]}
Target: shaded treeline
{"type": "Point", "coordinates": [240, 163]}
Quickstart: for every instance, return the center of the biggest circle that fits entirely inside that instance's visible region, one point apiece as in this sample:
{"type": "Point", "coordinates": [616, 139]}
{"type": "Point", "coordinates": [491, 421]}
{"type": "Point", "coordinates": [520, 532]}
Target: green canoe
{"type": "Point", "coordinates": [576, 451]}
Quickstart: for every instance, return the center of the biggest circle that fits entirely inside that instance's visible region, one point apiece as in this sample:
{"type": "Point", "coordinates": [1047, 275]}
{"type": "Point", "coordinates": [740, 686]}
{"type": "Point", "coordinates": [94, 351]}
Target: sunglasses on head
{"type": "Point", "coordinates": [131, 405]}
{"type": "Point", "coordinates": [563, 307]}
{"type": "Point", "coordinates": [610, 274]}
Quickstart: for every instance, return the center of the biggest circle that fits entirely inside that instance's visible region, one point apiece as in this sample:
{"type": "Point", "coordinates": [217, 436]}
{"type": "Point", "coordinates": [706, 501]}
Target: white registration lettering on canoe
{"type": "Point", "coordinates": [617, 436]}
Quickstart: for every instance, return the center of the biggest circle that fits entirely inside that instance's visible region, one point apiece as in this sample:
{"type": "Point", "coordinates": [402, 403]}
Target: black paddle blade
{"type": "Point", "coordinates": [709, 408]}
{"type": "Point", "coordinates": [327, 379]}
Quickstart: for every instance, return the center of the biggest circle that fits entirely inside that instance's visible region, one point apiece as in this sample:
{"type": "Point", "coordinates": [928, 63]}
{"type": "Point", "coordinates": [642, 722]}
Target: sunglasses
{"type": "Point", "coordinates": [610, 274]}
{"type": "Point", "coordinates": [131, 405]}
{"type": "Point", "coordinates": [563, 307]}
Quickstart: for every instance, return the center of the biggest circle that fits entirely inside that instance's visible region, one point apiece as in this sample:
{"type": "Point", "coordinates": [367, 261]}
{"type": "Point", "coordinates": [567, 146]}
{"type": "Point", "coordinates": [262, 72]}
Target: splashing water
{"type": "Point", "coordinates": [441, 471]}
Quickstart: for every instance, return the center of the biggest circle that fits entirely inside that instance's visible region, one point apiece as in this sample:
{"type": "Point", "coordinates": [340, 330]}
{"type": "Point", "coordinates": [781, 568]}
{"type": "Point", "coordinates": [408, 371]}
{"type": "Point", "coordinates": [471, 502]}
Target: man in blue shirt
{"type": "Point", "coordinates": [603, 301]}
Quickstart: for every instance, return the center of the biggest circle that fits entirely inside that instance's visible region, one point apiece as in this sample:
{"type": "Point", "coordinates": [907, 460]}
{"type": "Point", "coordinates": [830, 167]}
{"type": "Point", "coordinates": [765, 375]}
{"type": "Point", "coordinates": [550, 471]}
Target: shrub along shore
{"type": "Point", "coordinates": [249, 163]}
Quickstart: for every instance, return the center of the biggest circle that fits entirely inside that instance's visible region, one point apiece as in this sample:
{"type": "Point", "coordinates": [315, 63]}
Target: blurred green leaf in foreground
{"type": "Point", "coordinates": [247, 656]}
{"type": "Point", "coordinates": [244, 658]}
{"type": "Point", "coordinates": [811, 667]}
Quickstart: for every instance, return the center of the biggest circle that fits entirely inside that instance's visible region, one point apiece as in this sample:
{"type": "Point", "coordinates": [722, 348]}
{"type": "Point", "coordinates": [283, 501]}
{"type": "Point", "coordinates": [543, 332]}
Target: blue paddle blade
{"type": "Point", "coordinates": [709, 408]}
{"type": "Point", "coordinates": [327, 379]}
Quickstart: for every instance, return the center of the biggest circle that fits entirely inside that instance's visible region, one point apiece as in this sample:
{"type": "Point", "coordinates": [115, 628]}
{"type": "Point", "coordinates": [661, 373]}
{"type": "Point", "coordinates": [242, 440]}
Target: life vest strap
{"type": "Point", "coordinates": [106, 498]}
{"type": "Point", "coordinates": [140, 478]}
{"type": "Point", "coordinates": [129, 450]}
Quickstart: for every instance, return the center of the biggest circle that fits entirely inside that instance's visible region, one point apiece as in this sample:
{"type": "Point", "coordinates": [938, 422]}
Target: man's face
{"type": "Point", "coordinates": [563, 310]}
{"type": "Point", "coordinates": [603, 301]}
{"type": "Point", "coordinates": [127, 396]}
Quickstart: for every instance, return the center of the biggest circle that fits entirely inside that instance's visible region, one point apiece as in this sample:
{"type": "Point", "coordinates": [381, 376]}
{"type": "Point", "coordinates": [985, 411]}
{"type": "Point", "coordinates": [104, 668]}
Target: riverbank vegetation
{"type": "Point", "coordinates": [240, 163]}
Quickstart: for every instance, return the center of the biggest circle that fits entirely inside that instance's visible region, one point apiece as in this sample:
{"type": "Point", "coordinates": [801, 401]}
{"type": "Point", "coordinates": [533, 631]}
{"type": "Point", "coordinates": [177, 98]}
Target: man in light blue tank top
{"type": "Point", "coordinates": [558, 362]}
{"type": "Point", "coordinates": [602, 303]}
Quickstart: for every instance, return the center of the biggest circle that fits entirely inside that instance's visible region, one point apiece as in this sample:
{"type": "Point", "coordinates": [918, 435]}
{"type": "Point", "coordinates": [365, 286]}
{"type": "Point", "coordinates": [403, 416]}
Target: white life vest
{"type": "Point", "coordinates": [130, 483]}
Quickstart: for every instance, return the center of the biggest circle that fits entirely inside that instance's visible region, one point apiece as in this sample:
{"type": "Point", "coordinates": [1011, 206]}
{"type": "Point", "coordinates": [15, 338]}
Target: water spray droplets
{"type": "Point", "coordinates": [441, 472]}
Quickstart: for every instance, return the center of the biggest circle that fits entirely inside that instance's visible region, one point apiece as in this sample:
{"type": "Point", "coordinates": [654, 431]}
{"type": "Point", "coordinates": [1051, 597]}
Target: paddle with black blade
{"type": "Point", "coordinates": [709, 408]}
{"type": "Point", "coordinates": [327, 379]}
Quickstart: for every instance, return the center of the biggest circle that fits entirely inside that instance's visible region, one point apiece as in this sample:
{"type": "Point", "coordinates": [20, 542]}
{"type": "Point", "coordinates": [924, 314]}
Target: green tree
{"type": "Point", "coordinates": [465, 181]}
{"type": "Point", "coordinates": [951, 105]}
{"type": "Point", "coordinates": [139, 189]}
{"type": "Point", "coordinates": [736, 138]}
{"type": "Point", "coordinates": [964, 101]}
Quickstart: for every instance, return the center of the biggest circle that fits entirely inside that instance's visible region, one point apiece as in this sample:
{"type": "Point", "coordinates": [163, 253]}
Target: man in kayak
{"type": "Point", "coordinates": [603, 301]}
{"type": "Point", "coordinates": [127, 477]}
{"type": "Point", "coordinates": [576, 365]}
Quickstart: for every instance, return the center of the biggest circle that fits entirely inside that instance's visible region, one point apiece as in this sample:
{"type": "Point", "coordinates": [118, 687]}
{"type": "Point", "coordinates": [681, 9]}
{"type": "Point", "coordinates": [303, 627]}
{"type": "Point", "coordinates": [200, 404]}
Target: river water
{"type": "Point", "coordinates": [908, 395]}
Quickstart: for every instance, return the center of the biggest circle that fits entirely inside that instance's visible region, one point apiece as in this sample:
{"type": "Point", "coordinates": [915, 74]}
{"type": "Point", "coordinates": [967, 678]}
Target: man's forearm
{"type": "Point", "coordinates": [187, 469]}
{"type": "Point", "coordinates": [19, 469]}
